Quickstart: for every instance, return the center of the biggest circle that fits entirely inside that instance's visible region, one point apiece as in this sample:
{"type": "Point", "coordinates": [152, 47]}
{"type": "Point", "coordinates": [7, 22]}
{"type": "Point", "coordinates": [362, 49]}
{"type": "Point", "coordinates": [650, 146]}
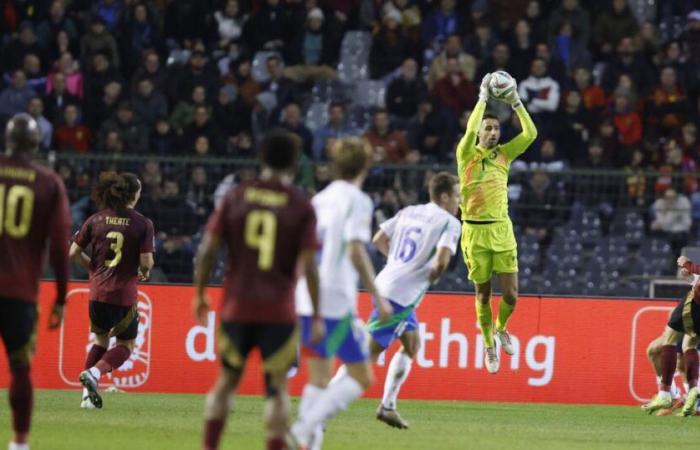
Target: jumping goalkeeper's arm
{"type": "Point", "coordinates": [527, 136]}
{"type": "Point", "coordinates": [468, 141]}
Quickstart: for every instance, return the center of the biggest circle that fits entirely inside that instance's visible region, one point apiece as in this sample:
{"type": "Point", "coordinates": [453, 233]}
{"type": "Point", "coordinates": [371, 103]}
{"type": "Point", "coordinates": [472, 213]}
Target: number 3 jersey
{"type": "Point", "coordinates": [117, 239]}
{"type": "Point", "coordinates": [33, 208]}
{"type": "Point", "coordinates": [344, 215]}
{"type": "Point", "coordinates": [265, 226]}
{"type": "Point", "coordinates": [416, 233]}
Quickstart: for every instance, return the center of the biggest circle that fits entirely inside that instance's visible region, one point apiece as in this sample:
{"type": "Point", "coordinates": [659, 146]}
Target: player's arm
{"type": "Point", "coordinates": [442, 261]}
{"type": "Point", "coordinates": [381, 241]}
{"type": "Point", "coordinates": [59, 235]}
{"type": "Point", "coordinates": [146, 263]}
{"type": "Point", "coordinates": [685, 263]}
{"type": "Point", "coordinates": [78, 256]}
{"type": "Point", "coordinates": [468, 141]}
{"type": "Point", "coordinates": [527, 136]}
{"type": "Point", "coordinates": [148, 247]}
{"type": "Point", "coordinates": [203, 265]}
{"type": "Point", "coordinates": [446, 248]}
{"type": "Point", "coordinates": [363, 265]}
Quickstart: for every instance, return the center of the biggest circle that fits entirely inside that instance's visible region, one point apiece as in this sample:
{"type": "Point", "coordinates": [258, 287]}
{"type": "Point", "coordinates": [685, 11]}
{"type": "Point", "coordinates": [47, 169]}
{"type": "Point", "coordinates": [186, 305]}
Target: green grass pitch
{"type": "Point", "coordinates": [173, 422]}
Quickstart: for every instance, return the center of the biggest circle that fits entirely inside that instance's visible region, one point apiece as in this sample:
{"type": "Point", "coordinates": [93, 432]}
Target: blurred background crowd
{"type": "Point", "coordinates": [180, 91]}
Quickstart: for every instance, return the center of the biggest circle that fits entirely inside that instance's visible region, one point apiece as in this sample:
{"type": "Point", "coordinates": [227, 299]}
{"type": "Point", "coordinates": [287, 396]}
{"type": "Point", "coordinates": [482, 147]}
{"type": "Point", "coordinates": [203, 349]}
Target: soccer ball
{"type": "Point", "coordinates": [501, 84]}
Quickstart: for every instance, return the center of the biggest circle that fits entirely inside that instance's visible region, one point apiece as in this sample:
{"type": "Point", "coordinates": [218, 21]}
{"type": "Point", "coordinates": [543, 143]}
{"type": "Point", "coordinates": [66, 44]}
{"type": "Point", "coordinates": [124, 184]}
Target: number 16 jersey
{"type": "Point", "coordinates": [265, 226]}
{"type": "Point", "coordinates": [416, 233]}
{"type": "Point", "coordinates": [117, 239]}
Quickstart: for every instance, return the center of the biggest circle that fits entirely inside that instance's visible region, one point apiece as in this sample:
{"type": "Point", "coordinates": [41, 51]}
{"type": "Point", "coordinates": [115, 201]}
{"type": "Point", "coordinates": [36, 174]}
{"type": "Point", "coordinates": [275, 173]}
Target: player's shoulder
{"type": "Point", "coordinates": [140, 217]}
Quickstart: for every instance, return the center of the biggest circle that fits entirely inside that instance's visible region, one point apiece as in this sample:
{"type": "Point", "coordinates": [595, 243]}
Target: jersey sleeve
{"type": "Point", "coordinates": [389, 226]}
{"type": "Point", "coordinates": [309, 240]}
{"type": "Point", "coordinates": [517, 146]}
{"type": "Point", "coordinates": [148, 244]}
{"type": "Point", "coordinates": [358, 226]}
{"type": "Point", "coordinates": [467, 144]}
{"type": "Point", "coordinates": [450, 236]}
{"type": "Point", "coordinates": [84, 235]}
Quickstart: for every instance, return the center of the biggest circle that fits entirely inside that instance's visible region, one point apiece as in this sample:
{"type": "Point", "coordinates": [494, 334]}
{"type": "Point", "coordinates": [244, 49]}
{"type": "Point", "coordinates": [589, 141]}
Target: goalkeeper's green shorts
{"type": "Point", "coordinates": [489, 248]}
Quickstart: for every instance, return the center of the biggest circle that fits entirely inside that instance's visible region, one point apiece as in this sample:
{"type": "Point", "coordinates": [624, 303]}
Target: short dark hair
{"type": "Point", "coordinates": [489, 115]}
{"type": "Point", "coordinates": [441, 183]}
{"type": "Point", "coordinates": [280, 149]}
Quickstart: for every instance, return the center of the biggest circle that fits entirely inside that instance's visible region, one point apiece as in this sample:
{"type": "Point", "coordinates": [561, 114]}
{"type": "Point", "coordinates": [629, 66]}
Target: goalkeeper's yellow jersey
{"type": "Point", "coordinates": [483, 173]}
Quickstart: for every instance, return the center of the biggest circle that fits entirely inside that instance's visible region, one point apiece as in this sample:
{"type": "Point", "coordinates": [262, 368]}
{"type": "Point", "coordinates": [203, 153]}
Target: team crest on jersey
{"type": "Point", "coordinates": [76, 340]}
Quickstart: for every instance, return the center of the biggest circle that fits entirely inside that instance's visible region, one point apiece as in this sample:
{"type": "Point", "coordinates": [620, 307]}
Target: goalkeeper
{"type": "Point", "coordinates": [488, 242]}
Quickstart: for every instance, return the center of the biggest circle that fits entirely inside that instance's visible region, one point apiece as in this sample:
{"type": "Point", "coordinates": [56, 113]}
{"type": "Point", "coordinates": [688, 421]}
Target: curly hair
{"type": "Point", "coordinates": [115, 191]}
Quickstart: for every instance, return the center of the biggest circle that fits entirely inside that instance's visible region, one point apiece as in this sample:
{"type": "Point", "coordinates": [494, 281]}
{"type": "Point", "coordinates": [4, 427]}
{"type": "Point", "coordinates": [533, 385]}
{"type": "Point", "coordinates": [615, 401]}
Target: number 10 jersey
{"type": "Point", "coordinates": [416, 233]}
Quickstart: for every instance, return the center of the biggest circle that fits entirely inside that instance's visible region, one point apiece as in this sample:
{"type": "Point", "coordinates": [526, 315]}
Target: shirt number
{"type": "Point", "coordinates": [116, 248]}
{"type": "Point", "coordinates": [261, 234]}
{"type": "Point", "coordinates": [407, 246]}
{"type": "Point", "coordinates": [16, 208]}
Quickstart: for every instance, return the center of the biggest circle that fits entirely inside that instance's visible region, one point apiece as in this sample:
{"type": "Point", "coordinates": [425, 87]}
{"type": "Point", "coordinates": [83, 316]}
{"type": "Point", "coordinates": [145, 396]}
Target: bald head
{"type": "Point", "coordinates": [22, 134]}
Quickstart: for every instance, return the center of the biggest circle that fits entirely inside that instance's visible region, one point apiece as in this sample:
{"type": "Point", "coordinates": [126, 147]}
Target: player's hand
{"type": "Point", "coordinates": [682, 261]}
{"type": "Point", "coordinates": [318, 330]}
{"type": "Point", "coordinates": [434, 275]}
{"type": "Point", "coordinates": [56, 316]}
{"type": "Point", "coordinates": [685, 273]}
{"type": "Point", "coordinates": [384, 309]}
{"type": "Point", "coordinates": [513, 99]}
{"type": "Point", "coordinates": [484, 88]}
{"type": "Point", "coordinates": [144, 276]}
{"type": "Point", "coordinates": [200, 306]}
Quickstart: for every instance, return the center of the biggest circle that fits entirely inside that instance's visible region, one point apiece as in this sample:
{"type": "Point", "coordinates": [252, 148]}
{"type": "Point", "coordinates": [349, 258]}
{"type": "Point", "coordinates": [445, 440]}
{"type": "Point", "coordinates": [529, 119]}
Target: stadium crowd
{"type": "Point", "coordinates": [611, 85]}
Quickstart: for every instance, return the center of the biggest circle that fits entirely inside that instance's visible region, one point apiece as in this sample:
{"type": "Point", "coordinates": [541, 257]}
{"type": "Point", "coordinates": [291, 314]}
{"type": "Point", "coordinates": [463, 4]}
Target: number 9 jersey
{"type": "Point", "coordinates": [117, 239]}
{"type": "Point", "coordinates": [265, 226]}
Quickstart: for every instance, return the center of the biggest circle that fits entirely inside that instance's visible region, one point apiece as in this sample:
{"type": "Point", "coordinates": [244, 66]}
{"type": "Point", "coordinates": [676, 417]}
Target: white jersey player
{"type": "Point", "coordinates": [418, 243]}
{"type": "Point", "coordinates": [344, 220]}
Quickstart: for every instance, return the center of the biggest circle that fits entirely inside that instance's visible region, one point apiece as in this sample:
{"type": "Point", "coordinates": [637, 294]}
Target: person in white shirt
{"type": "Point", "coordinates": [418, 243]}
{"type": "Point", "coordinates": [344, 220]}
{"type": "Point", "coordinates": [539, 92]}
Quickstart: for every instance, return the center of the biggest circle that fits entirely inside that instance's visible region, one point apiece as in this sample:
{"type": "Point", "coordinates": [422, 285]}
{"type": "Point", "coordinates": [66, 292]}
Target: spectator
{"type": "Point", "coordinates": [667, 104]}
{"type": "Point", "coordinates": [635, 180]}
{"type": "Point", "coordinates": [32, 70]}
{"type": "Point", "coordinates": [540, 92]}
{"type": "Point", "coordinates": [202, 125]}
{"type": "Point", "coordinates": [648, 42]}
{"type": "Point", "coordinates": [197, 73]}
{"type": "Point", "coordinates": [292, 120]}
{"type": "Point", "coordinates": [148, 103]}
{"type": "Point", "coordinates": [389, 145]}
{"type": "Point", "coordinates": [404, 92]}
{"type": "Point", "coordinates": [230, 22]}
{"type": "Point", "coordinates": [283, 87]}
{"type": "Point", "coordinates": [592, 95]}
{"type": "Point", "coordinates": [613, 25]}
{"type": "Point", "coordinates": [387, 207]}
{"type": "Point", "coordinates": [19, 46]}
{"type": "Point", "coordinates": [111, 144]}
{"type": "Point", "coordinates": [522, 50]}
{"type": "Point", "coordinates": [555, 67]}
{"type": "Point", "coordinates": [410, 17]}
{"type": "Point", "coordinates": [498, 60]}
{"type": "Point", "coordinates": [627, 121]}
{"type": "Point", "coordinates": [98, 40]}
{"type": "Point", "coordinates": [151, 69]}
{"type": "Point", "coordinates": [55, 23]}
{"type": "Point", "coordinates": [453, 49]}
{"type": "Point", "coordinates": [677, 171]}
{"type": "Point", "coordinates": [574, 125]}
{"type": "Point", "coordinates": [241, 145]}
{"type": "Point", "coordinates": [312, 53]}
{"type": "Point", "coordinates": [163, 140]}
{"type": "Point", "coordinates": [269, 28]}
{"type": "Point", "coordinates": [104, 107]}
{"type": "Point", "coordinates": [549, 159]}
{"type": "Point", "coordinates": [131, 132]}
{"type": "Point", "coordinates": [440, 24]}
{"type": "Point", "coordinates": [199, 195]}
{"type": "Point", "coordinates": [482, 42]}
{"type": "Point", "coordinates": [229, 114]}
{"type": "Point", "coordinates": [627, 61]}
{"type": "Point", "coordinates": [672, 219]}
{"type": "Point", "coordinates": [426, 132]}
{"type": "Point", "coordinates": [538, 23]}
{"type": "Point", "coordinates": [453, 91]}
{"type": "Point", "coordinates": [71, 135]}
{"type": "Point", "coordinates": [72, 77]}
{"type": "Point", "coordinates": [602, 198]}
{"type": "Point", "coordinates": [61, 43]}
{"type": "Point", "coordinates": [183, 113]}
{"type": "Point", "coordinates": [571, 13]}
{"type": "Point", "coordinates": [390, 46]}
{"type": "Point", "coordinates": [567, 49]}
{"type": "Point", "coordinates": [241, 77]}
{"type": "Point", "coordinates": [109, 11]}
{"type": "Point", "coordinates": [15, 97]}
{"type": "Point", "coordinates": [176, 222]}
{"type": "Point", "coordinates": [691, 38]}
{"type": "Point", "coordinates": [97, 79]}
{"type": "Point", "coordinates": [35, 108]}
{"type": "Point", "coordinates": [139, 33]}
{"type": "Point", "coordinates": [336, 128]}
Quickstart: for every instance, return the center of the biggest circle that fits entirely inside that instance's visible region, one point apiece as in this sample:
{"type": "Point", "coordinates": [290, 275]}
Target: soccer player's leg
{"type": "Point", "coordinates": [349, 342]}
{"type": "Point", "coordinates": [673, 331]}
{"type": "Point", "coordinates": [399, 369]}
{"type": "Point", "coordinates": [505, 264]}
{"type": "Point", "coordinates": [18, 331]}
{"type": "Point", "coordinates": [278, 346]}
{"type": "Point", "coordinates": [690, 356]}
{"type": "Point", "coordinates": [236, 340]}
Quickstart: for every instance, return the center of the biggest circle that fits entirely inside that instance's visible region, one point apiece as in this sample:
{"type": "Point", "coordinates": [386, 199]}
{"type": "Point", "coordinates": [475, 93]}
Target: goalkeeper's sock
{"type": "Point", "coordinates": [483, 315]}
{"type": "Point", "coordinates": [505, 310]}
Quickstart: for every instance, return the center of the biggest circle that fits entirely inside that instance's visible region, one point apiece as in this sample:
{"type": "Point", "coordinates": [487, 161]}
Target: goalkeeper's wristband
{"type": "Point", "coordinates": [516, 105]}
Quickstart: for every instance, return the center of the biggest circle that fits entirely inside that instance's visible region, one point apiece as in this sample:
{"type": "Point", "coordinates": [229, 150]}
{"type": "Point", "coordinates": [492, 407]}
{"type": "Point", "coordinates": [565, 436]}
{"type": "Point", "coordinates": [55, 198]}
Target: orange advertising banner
{"type": "Point", "coordinates": [567, 350]}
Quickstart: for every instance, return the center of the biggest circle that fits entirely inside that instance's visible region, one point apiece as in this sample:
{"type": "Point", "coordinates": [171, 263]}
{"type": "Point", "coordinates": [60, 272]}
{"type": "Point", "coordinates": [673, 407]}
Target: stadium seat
{"type": "Point", "coordinates": [316, 115]}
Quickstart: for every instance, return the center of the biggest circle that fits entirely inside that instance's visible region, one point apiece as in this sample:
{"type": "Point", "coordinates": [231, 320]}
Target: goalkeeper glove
{"type": "Point", "coordinates": [513, 99]}
{"type": "Point", "coordinates": [484, 88]}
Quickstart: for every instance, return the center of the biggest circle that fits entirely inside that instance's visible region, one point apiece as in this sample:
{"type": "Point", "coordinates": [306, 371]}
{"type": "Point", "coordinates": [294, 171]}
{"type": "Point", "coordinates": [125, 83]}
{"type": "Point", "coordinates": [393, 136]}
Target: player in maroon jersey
{"type": "Point", "coordinates": [269, 229]}
{"type": "Point", "coordinates": [122, 254]}
{"type": "Point", "coordinates": [33, 208]}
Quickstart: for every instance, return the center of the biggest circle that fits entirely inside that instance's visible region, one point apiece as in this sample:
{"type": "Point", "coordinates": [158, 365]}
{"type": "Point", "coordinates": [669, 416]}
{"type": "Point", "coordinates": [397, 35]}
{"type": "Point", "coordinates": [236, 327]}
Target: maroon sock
{"type": "Point", "coordinates": [94, 355]}
{"type": "Point", "coordinates": [212, 433]}
{"type": "Point", "coordinates": [113, 359]}
{"type": "Point", "coordinates": [691, 367]}
{"type": "Point", "coordinates": [668, 366]}
{"type": "Point", "coordinates": [276, 444]}
{"type": "Point", "coordinates": [21, 399]}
